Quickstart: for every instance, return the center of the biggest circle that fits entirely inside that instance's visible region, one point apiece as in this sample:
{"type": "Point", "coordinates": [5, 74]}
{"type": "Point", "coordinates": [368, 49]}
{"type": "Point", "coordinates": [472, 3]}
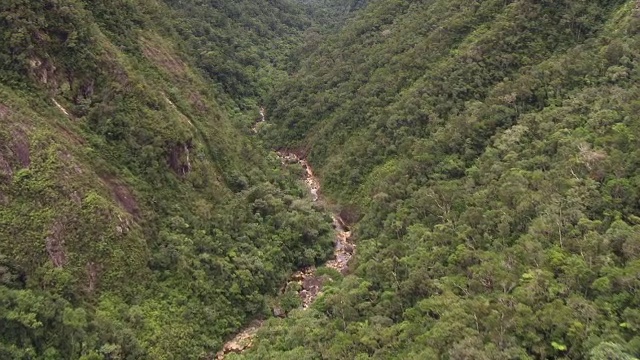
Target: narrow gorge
{"type": "Point", "coordinates": [188, 179]}
{"type": "Point", "coordinates": [305, 279]}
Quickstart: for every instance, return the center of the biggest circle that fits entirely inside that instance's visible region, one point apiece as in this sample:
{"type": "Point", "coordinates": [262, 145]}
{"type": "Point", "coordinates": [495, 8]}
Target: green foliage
{"type": "Point", "coordinates": [487, 151]}
{"type": "Point", "coordinates": [489, 148]}
{"type": "Point", "coordinates": [136, 219]}
{"type": "Point", "coordinates": [42, 326]}
{"type": "Point", "coordinates": [241, 45]}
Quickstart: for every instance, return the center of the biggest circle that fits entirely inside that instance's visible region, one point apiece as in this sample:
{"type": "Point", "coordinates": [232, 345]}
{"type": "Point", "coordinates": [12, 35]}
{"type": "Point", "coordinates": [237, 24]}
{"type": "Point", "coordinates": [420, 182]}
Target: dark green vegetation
{"type": "Point", "coordinates": [142, 223]}
{"type": "Point", "coordinates": [486, 152]}
{"type": "Point", "coordinates": [242, 46]}
{"type": "Point", "coordinates": [245, 47]}
{"type": "Point", "coordinates": [489, 150]}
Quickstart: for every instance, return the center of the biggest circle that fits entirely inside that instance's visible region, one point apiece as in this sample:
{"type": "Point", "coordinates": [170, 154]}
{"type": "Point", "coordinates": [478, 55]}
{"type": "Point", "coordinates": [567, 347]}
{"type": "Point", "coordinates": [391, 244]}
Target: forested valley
{"type": "Point", "coordinates": [483, 155]}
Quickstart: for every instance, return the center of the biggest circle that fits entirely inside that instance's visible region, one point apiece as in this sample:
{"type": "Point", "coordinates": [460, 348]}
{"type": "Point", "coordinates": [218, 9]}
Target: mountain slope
{"type": "Point", "coordinates": [485, 153]}
{"type": "Point", "coordinates": [242, 46]}
{"type": "Point", "coordinates": [137, 221]}
{"type": "Point", "coordinates": [487, 150]}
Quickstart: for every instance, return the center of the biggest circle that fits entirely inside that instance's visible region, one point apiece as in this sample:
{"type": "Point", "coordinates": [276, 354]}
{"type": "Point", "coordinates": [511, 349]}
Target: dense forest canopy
{"type": "Point", "coordinates": [137, 217]}
{"type": "Point", "coordinates": [488, 151]}
{"type": "Point", "coordinates": [484, 153]}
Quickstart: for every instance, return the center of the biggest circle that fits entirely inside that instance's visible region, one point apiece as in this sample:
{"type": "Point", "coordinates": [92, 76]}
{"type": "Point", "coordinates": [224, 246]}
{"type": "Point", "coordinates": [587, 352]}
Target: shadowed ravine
{"type": "Point", "coordinates": [309, 283]}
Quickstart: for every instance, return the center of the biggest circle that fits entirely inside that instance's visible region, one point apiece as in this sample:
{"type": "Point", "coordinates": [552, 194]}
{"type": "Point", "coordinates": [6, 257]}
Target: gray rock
{"type": "Point", "coordinates": [278, 312]}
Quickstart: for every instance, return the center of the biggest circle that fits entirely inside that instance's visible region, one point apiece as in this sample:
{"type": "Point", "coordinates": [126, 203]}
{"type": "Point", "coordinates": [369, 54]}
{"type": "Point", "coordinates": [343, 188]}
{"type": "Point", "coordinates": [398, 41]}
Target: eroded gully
{"type": "Point", "coordinates": [309, 283]}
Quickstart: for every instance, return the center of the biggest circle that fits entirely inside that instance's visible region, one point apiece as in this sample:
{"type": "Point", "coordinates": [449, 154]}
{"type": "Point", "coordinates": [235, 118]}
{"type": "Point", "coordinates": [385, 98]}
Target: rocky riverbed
{"type": "Point", "coordinates": [310, 284]}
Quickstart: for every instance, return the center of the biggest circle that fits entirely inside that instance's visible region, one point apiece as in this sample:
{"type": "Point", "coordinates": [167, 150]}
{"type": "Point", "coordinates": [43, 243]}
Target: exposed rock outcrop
{"type": "Point", "coordinates": [43, 71]}
{"type": "Point", "coordinates": [15, 154]}
{"type": "Point", "coordinates": [123, 195]}
{"type": "Point", "coordinates": [20, 147]}
{"type": "Point", "coordinates": [54, 243]}
{"type": "Point", "coordinates": [240, 342]}
{"type": "Point", "coordinates": [5, 168]}
{"type": "Point", "coordinates": [179, 158]}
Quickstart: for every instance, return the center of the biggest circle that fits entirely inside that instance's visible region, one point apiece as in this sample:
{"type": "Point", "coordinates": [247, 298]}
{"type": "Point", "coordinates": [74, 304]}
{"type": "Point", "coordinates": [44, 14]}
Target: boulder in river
{"type": "Point", "coordinates": [348, 248]}
{"type": "Point", "coordinates": [278, 312]}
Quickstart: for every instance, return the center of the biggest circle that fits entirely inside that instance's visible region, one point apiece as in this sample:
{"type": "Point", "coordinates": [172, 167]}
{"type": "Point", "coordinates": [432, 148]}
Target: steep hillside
{"type": "Point", "coordinates": [136, 221]}
{"type": "Point", "coordinates": [331, 14]}
{"type": "Point", "coordinates": [488, 152]}
{"type": "Point", "coordinates": [246, 48]}
{"type": "Point", "coordinates": [242, 46]}
{"type": "Point", "coordinates": [484, 153]}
